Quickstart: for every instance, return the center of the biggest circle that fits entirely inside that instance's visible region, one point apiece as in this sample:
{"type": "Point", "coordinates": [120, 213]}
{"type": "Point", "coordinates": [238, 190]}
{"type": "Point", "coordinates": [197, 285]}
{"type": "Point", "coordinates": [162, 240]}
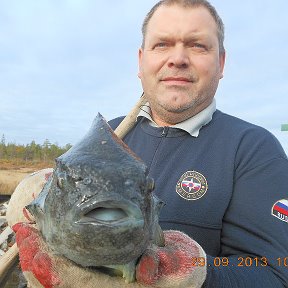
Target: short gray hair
{"type": "Point", "coordinates": [191, 4]}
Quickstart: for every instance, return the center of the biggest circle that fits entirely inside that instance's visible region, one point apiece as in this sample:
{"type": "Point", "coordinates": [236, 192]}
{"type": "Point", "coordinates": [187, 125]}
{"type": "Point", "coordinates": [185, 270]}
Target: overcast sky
{"type": "Point", "coordinates": [62, 61]}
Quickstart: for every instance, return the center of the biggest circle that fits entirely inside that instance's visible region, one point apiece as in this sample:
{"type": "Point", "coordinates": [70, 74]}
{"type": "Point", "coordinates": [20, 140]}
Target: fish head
{"type": "Point", "coordinates": [98, 207]}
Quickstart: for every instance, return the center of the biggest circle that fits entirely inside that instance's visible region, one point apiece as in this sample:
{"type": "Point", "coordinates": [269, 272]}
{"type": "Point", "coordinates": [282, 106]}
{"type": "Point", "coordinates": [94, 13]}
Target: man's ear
{"type": "Point", "coordinates": [140, 55]}
{"type": "Point", "coordinates": [222, 58]}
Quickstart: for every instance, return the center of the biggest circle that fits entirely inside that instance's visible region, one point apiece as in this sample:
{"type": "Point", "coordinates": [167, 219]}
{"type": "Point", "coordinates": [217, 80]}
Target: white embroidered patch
{"type": "Point", "coordinates": [192, 185]}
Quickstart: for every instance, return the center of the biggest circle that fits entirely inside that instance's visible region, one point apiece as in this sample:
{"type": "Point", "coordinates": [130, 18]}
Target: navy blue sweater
{"type": "Point", "coordinates": [220, 188]}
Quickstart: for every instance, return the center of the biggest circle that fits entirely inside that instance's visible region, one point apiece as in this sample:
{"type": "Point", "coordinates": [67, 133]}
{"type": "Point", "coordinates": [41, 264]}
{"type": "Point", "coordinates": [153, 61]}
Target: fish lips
{"type": "Point", "coordinates": [114, 231]}
{"type": "Point", "coordinates": [109, 213]}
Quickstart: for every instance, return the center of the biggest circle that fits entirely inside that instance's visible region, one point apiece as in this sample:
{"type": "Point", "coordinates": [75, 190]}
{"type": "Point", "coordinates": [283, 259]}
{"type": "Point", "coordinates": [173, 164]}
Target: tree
{"type": "Point", "coordinates": [3, 141]}
{"type": "Point", "coordinates": [46, 147]}
{"type": "Point", "coordinates": [3, 148]}
{"type": "Point", "coordinates": [31, 152]}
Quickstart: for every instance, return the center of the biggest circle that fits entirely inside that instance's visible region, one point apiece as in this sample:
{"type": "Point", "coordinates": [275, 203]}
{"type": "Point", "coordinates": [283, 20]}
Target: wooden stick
{"type": "Point", "coordinates": [129, 121]}
{"type": "Point", "coordinates": [5, 234]}
{"type": "Point", "coordinates": [10, 257]}
{"type": "Point", "coordinates": [8, 260]}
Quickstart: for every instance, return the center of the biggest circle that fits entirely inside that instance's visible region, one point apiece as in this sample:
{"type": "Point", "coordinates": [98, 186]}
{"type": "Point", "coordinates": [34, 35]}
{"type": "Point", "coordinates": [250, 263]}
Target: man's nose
{"type": "Point", "coordinates": [179, 57]}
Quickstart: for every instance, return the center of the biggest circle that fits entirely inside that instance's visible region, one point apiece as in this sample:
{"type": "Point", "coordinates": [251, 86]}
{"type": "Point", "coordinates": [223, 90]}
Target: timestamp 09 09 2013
{"type": "Point", "coordinates": [241, 262]}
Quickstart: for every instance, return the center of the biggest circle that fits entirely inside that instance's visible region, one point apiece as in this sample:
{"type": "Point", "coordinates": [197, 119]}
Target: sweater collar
{"type": "Point", "coordinates": [191, 125]}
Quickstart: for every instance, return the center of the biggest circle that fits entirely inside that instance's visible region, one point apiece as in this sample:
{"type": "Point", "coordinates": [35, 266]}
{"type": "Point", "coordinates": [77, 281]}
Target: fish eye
{"type": "Point", "coordinates": [150, 184]}
{"type": "Point", "coordinates": [60, 179]}
{"type": "Point", "coordinates": [60, 183]}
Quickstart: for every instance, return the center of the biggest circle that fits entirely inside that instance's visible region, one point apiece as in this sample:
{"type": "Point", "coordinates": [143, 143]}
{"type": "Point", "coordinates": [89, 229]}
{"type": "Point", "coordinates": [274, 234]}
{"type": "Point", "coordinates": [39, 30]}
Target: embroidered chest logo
{"type": "Point", "coordinates": [192, 185]}
{"type": "Point", "coordinates": [280, 210]}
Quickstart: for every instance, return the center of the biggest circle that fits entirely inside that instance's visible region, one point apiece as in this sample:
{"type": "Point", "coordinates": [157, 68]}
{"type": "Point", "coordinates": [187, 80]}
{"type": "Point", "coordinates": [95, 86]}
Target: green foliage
{"type": "Point", "coordinates": [32, 151]}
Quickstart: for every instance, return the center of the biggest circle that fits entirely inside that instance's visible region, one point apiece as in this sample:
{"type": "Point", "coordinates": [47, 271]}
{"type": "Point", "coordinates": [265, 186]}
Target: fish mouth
{"type": "Point", "coordinates": [109, 213]}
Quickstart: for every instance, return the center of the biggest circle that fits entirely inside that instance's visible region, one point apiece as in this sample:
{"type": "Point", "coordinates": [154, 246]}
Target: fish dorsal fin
{"type": "Point", "coordinates": [100, 142]}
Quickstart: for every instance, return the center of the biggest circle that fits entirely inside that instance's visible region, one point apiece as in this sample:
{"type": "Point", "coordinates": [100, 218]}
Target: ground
{"type": "Point", "coordinates": [13, 171]}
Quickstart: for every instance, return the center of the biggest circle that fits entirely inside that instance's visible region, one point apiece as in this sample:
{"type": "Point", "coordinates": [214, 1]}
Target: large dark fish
{"type": "Point", "coordinates": [97, 209]}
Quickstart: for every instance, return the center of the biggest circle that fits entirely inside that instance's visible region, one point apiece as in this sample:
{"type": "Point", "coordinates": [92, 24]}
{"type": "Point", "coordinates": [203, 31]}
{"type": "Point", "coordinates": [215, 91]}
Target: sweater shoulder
{"type": "Point", "coordinates": [236, 126]}
{"type": "Point", "coordinates": [235, 123]}
{"type": "Point", "coordinates": [247, 135]}
{"type": "Point", "coordinates": [114, 123]}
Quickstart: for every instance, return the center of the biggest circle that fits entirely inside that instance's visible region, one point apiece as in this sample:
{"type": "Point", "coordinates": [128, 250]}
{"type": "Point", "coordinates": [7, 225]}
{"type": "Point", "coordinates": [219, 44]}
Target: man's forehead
{"type": "Point", "coordinates": [195, 20]}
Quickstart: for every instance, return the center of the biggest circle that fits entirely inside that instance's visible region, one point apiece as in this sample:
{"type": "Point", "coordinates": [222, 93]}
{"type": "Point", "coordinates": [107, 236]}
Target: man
{"type": "Point", "coordinates": [218, 175]}
{"type": "Point", "coordinates": [224, 181]}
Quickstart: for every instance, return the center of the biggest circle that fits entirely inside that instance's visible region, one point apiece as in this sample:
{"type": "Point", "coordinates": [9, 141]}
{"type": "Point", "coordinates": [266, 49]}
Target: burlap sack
{"type": "Point", "coordinates": [68, 274]}
{"type": "Point", "coordinates": [73, 276]}
{"type": "Point", "coordinates": [27, 190]}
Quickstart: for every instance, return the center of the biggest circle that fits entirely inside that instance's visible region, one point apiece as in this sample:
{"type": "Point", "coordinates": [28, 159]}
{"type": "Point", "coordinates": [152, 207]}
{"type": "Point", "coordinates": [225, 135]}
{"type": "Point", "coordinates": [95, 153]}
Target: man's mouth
{"type": "Point", "coordinates": [176, 80]}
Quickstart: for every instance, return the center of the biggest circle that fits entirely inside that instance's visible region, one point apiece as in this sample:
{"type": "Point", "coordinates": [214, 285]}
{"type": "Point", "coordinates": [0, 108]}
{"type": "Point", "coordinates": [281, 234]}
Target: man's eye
{"type": "Point", "coordinates": [160, 45]}
{"type": "Point", "coordinates": [199, 46]}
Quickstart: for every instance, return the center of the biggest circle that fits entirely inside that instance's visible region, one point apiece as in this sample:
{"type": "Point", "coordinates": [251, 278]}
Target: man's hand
{"type": "Point", "coordinates": [42, 268]}
{"type": "Point", "coordinates": [180, 263]}
{"type": "Point", "coordinates": [33, 255]}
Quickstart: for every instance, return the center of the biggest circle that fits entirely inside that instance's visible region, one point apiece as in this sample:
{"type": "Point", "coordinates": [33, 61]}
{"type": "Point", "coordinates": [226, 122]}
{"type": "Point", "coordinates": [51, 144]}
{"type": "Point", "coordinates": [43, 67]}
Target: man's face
{"type": "Point", "coordinates": [180, 66]}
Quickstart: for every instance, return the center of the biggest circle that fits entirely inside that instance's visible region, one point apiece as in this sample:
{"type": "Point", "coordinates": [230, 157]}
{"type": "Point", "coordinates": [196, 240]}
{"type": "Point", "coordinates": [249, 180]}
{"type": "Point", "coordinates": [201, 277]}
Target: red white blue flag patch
{"type": "Point", "coordinates": [280, 210]}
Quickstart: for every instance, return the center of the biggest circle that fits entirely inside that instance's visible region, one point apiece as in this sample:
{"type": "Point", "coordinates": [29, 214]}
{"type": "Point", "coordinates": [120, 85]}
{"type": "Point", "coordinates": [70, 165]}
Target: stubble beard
{"type": "Point", "coordinates": [173, 112]}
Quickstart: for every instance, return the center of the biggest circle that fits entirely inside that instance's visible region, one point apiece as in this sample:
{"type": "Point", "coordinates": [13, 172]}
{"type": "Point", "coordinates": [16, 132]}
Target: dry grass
{"type": "Point", "coordinates": [7, 189]}
{"type": "Point", "coordinates": [18, 164]}
{"type": "Point", "coordinates": [12, 172]}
